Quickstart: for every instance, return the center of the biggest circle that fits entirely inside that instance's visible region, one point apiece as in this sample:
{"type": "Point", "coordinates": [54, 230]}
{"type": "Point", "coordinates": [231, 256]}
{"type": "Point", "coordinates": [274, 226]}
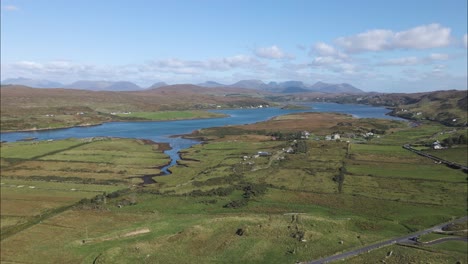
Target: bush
{"type": "Point", "coordinates": [117, 193]}
{"type": "Point", "coordinates": [221, 191]}
{"type": "Point", "coordinates": [236, 203]}
{"type": "Point", "coordinates": [219, 180]}
{"type": "Point", "coordinates": [253, 189]}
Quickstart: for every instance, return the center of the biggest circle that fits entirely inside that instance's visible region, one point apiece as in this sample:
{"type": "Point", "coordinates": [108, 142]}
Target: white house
{"type": "Point", "coordinates": [335, 137]}
{"type": "Point", "coordinates": [436, 145]}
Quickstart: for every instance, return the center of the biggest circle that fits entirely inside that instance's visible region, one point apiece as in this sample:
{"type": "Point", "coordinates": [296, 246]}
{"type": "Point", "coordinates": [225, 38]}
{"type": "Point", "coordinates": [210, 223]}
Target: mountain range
{"type": "Point", "coordinates": [288, 87]}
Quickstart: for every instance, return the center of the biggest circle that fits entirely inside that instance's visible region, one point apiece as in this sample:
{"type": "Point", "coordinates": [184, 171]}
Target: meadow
{"type": "Point", "coordinates": [225, 203]}
{"type": "Point", "coordinates": [457, 154]}
{"type": "Point", "coordinates": [41, 178]}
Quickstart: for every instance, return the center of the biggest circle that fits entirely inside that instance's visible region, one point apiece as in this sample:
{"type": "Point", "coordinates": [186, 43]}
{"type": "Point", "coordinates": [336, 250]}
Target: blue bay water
{"type": "Point", "coordinates": [162, 131]}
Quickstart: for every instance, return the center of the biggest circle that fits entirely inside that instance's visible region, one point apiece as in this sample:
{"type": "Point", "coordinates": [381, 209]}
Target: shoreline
{"type": "Point", "coordinates": [105, 122]}
{"type": "Point", "coordinates": [50, 128]}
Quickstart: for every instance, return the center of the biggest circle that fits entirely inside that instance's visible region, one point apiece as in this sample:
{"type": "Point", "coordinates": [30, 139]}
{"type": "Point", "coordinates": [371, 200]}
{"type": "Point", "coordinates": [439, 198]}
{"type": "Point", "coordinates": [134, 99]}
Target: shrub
{"type": "Point", "coordinates": [236, 203]}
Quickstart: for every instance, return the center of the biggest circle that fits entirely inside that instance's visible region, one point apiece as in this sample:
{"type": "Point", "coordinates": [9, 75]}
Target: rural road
{"type": "Point", "coordinates": [403, 239]}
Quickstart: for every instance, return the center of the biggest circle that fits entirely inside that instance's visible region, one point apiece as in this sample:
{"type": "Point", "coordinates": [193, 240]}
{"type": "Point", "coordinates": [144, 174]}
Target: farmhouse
{"type": "Point", "coordinates": [436, 145]}
{"type": "Point", "coordinates": [289, 150]}
{"type": "Point", "coordinates": [305, 134]}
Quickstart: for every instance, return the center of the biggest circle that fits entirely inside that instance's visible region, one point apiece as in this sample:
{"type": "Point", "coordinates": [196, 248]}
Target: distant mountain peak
{"type": "Point", "coordinates": [291, 86]}
{"type": "Point", "coordinates": [157, 85]}
{"type": "Point", "coordinates": [251, 84]}
{"type": "Point", "coordinates": [104, 85]}
{"type": "Point", "coordinates": [211, 84]}
{"type": "Point", "coordinates": [335, 88]}
{"type": "Point", "coordinates": [36, 83]}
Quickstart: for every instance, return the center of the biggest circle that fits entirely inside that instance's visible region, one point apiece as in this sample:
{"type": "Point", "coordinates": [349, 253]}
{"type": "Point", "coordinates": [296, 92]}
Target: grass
{"type": "Point", "coordinates": [452, 247]}
{"type": "Point", "coordinates": [30, 150]}
{"type": "Point", "coordinates": [30, 198]}
{"type": "Point", "coordinates": [422, 133]}
{"type": "Point", "coordinates": [40, 177]}
{"type": "Point", "coordinates": [458, 154]}
{"type": "Point", "coordinates": [403, 254]}
{"type": "Point", "coordinates": [98, 159]}
{"type": "Point", "coordinates": [432, 236]}
{"type": "Point", "coordinates": [302, 213]}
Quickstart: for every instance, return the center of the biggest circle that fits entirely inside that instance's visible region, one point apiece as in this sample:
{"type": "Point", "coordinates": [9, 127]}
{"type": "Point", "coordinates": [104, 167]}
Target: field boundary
{"type": "Point", "coordinates": [450, 164]}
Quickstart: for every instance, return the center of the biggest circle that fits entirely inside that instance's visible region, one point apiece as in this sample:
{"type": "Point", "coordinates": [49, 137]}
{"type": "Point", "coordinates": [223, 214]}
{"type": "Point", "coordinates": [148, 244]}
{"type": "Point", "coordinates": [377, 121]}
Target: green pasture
{"type": "Point", "coordinates": [38, 178]}
{"type": "Point", "coordinates": [458, 154]}
{"type": "Point", "coordinates": [404, 254]}
{"type": "Point", "coordinates": [421, 133]}
{"type": "Point", "coordinates": [33, 149]}
{"type": "Point", "coordinates": [223, 204]}
{"type": "Point", "coordinates": [452, 247]}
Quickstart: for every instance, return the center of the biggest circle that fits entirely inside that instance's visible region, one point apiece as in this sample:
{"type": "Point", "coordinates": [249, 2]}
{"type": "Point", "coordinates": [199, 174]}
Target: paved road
{"type": "Point", "coordinates": [403, 239]}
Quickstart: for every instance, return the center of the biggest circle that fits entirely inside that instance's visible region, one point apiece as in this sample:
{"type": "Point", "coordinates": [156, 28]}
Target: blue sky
{"type": "Point", "coordinates": [388, 46]}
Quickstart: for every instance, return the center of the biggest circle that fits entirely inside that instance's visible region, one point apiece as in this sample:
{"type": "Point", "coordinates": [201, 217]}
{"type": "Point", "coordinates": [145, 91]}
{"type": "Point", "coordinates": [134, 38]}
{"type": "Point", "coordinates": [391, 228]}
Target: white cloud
{"type": "Point", "coordinates": [439, 68]}
{"type": "Point", "coordinates": [164, 69]}
{"type": "Point", "coordinates": [331, 59]}
{"type": "Point", "coordinates": [326, 60]}
{"type": "Point", "coordinates": [29, 65]}
{"type": "Point", "coordinates": [373, 40]}
{"type": "Point", "coordinates": [405, 61]}
{"type": "Point", "coordinates": [10, 8]}
{"type": "Point", "coordinates": [334, 64]}
{"type": "Point", "coordinates": [412, 60]}
{"type": "Point", "coordinates": [272, 52]}
{"type": "Point", "coordinates": [421, 37]}
{"type": "Point", "coordinates": [323, 49]}
{"type": "Point", "coordinates": [240, 61]}
{"type": "Point", "coordinates": [439, 56]}
{"type": "Point", "coordinates": [465, 41]}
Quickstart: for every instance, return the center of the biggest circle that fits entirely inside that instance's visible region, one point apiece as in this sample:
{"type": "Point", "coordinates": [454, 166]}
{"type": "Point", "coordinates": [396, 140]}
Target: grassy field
{"type": "Point", "coordinates": [458, 154]}
{"type": "Point", "coordinates": [224, 203]}
{"type": "Point", "coordinates": [96, 159]}
{"type": "Point", "coordinates": [40, 177]}
{"type": "Point", "coordinates": [404, 254]}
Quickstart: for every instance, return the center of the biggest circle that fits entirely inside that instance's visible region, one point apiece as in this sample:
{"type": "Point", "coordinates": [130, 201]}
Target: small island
{"type": "Point", "coordinates": [295, 107]}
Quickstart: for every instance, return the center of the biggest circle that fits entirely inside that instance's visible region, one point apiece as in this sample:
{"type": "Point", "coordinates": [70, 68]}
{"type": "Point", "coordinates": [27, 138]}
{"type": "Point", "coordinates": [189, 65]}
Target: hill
{"type": "Point", "coordinates": [104, 86]}
{"type": "Point", "coordinates": [32, 83]}
{"type": "Point", "coordinates": [157, 85]}
{"type": "Point", "coordinates": [446, 107]}
{"type": "Point", "coordinates": [28, 108]}
{"type": "Point", "coordinates": [336, 88]}
{"type": "Point", "coordinates": [211, 84]}
{"type": "Point", "coordinates": [289, 87]}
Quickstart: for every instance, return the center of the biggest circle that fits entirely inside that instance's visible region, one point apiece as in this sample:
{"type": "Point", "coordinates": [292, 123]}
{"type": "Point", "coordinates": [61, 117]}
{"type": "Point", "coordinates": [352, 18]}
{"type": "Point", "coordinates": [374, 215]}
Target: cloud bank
{"type": "Point", "coordinates": [421, 37]}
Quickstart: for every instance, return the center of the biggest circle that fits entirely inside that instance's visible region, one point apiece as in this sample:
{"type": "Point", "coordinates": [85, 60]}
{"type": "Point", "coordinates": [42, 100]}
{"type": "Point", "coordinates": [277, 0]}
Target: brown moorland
{"type": "Point", "coordinates": [319, 123]}
{"type": "Point", "coordinates": [25, 108]}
